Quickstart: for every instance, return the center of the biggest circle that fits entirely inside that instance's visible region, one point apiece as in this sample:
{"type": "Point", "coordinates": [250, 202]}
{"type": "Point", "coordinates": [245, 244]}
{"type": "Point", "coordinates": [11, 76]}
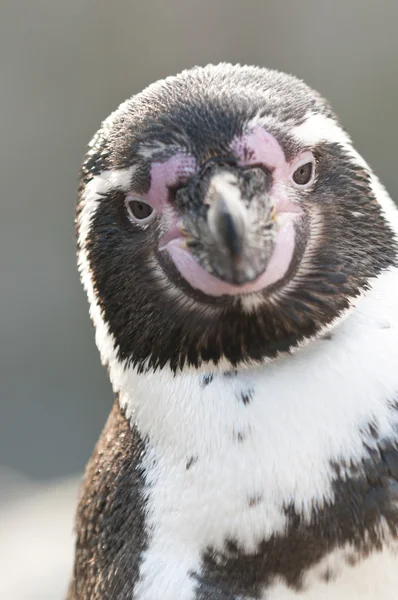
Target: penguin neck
{"type": "Point", "coordinates": [322, 399]}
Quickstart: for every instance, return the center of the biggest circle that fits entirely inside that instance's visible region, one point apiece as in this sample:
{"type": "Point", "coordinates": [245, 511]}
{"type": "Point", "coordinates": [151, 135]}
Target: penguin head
{"type": "Point", "coordinates": [224, 215]}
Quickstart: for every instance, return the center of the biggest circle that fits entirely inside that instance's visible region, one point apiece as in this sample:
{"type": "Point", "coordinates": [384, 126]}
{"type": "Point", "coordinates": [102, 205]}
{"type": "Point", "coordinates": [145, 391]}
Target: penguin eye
{"type": "Point", "coordinates": [303, 174]}
{"type": "Point", "coordinates": [139, 211]}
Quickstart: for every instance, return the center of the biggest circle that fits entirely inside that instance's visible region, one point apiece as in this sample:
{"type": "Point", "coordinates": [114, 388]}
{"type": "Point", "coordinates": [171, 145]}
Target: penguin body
{"type": "Point", "coordinates": [252, 449]}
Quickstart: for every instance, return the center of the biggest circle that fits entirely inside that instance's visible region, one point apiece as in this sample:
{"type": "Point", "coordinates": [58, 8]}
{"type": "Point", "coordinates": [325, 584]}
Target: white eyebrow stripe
{"type": "Point", "coordinates": [120, 178]}
{"type": "Point", "coordinates": [319, 128]}
{"type": "Point", "coordinates": [105, 182]}
{"type": "Point", "coordinates": [148, 150]}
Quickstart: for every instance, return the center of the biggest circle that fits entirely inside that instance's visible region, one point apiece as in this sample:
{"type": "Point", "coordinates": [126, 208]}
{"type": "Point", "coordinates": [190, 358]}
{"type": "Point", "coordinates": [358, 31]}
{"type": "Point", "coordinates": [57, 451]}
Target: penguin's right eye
{"type": "Point", "coordinates": [139, 211]}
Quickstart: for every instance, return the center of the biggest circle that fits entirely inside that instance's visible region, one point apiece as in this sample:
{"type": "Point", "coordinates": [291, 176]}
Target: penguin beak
{"type": "Point", "coordinates": [229, 222]}
{"type": "Point", "coordinates": [227, 215]}
{"type": "Point", "coordinates": [238, 252]}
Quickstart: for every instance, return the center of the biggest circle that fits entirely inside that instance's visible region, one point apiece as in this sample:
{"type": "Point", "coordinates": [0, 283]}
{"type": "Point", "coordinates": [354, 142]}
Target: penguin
{"type": "Point", "coordinates": [240, 260]}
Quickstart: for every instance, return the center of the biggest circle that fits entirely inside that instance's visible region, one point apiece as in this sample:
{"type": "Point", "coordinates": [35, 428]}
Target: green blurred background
{"type": "Point", "coordinates": [64, 66]}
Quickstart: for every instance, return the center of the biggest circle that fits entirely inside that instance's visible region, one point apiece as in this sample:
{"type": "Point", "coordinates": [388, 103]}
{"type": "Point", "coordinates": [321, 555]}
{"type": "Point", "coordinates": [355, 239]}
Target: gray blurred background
{"type": "Point", "coordinates": [64, 66]}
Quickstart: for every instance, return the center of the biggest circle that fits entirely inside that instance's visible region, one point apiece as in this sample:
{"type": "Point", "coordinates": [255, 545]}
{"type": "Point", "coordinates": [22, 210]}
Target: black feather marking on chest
{"type": "Point", "coordinates": [363, 501]}
{"type": "Point", "coordinates": [206, 379]}
{"type": "Point", "coordinates": [110, 523]}
{"type": "Point", "coordinates": [246, 396]}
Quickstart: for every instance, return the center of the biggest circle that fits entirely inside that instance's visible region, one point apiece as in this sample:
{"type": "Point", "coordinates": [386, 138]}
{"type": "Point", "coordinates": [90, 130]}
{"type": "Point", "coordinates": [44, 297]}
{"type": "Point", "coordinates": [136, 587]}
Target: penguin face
{"type": "Point", "coordinates": [233, 225]}
{"type": "Point", "coordinates": [224, 214]}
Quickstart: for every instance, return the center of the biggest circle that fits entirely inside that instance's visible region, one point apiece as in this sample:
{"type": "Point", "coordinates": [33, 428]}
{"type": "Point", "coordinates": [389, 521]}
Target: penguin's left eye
{"type": "Point", "coordinates": [303, 174]}
{"type": "Point", "coordinates": [139, 211]}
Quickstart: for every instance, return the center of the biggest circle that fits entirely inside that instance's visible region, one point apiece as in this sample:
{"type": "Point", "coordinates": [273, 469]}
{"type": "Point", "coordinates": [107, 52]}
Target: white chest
{"type": "Point", "coordinates": [229, 452]}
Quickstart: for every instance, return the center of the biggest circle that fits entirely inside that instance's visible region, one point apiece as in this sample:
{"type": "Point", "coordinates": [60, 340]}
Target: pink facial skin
{"type": "Point", "coordinates": [200, 279]}
{"type": "Point", "coordinates": [178, 169]}
{"type": "Point", "coordinates": [256, 147]}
